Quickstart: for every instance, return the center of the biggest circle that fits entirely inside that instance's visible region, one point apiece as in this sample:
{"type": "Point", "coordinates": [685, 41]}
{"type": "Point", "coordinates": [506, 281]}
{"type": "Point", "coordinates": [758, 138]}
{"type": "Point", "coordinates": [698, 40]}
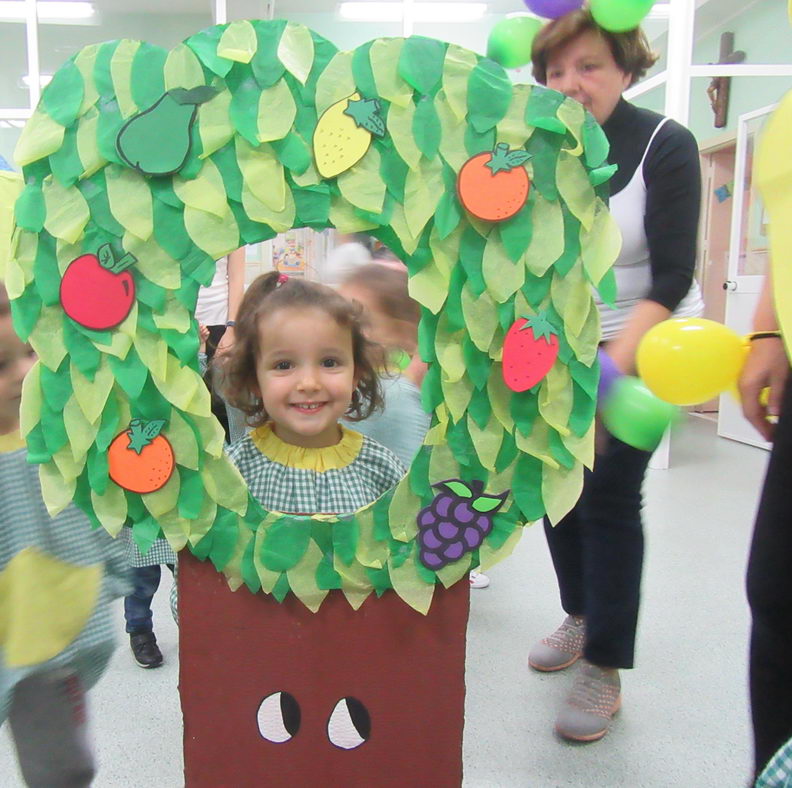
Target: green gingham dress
{"type": "Point", "coordinates": [334, 480]}
{"type": "Point", "coordinates": [25, 523]}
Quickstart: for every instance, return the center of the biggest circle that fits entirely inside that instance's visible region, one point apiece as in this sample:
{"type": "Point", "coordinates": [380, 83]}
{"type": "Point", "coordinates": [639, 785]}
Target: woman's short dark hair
{"type": "Point", "coordinates": [630, 49]}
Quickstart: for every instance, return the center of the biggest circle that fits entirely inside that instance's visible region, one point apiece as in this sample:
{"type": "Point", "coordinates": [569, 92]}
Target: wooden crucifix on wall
{"type": "Point", "coordinates": [720, 87]}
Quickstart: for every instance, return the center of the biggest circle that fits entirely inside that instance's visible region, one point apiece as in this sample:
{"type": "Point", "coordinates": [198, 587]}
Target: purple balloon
{"type": "Point", "coordinates": [552, 9]}
{"type": "Point", "coordinates": [608, 374]}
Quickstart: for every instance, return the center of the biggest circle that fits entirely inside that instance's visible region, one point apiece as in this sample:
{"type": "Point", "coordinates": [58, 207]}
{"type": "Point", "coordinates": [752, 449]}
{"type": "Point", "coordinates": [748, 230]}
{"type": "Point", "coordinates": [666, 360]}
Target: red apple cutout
{"type": "Point", "coordinates": [97, 291]}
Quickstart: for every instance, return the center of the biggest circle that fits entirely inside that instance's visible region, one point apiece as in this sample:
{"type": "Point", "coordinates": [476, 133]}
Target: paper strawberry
{"type": "Point", "coordinates": [97, 291]}
{"type": "Point", "coordinates": [529, 351]}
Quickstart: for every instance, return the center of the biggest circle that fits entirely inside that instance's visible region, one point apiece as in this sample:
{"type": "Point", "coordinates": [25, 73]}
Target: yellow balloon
{"type": "Point", "coordinates": [690, 360]}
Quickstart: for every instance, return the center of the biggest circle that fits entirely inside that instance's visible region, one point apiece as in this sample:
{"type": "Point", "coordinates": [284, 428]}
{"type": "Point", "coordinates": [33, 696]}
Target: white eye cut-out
{"type": "Point", "coordinates": [349, 725]}
{"type": "Point", "coordinates": [279, 717]}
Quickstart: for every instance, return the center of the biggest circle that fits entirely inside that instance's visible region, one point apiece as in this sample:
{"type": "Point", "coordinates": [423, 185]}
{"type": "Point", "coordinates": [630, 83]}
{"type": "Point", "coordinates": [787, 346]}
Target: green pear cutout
{"type": "Point", "coordinates": [157, 141]}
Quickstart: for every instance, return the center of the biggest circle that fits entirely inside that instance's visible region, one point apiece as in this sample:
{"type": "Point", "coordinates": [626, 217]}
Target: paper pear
{"type": "Point", "coordinates": [157, 141]}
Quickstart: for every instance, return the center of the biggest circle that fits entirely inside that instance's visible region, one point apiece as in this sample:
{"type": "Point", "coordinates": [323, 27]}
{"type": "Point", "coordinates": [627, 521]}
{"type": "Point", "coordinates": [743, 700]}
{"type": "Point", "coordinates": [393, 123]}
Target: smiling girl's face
{"type": "Point", "coordinates": [306, 374]}
{"type": "Point", "coordinates": [16, 358]}
{"type": "Point", "coordinates": [584, 69]}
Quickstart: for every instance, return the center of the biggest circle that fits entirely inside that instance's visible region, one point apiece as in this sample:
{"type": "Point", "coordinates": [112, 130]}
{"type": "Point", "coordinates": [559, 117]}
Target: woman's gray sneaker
{"type": "Point", "coordinates": [562, 648]}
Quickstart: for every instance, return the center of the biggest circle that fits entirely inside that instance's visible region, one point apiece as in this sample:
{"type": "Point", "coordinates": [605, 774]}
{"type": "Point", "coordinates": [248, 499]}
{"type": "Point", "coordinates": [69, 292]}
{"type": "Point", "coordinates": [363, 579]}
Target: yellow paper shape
{"type": "Point", "coordinates": [571, 296]}
{"type": "Point", "coordinates": [561, 489]}
{"type": "Point", "coordinates": [85, 60]}
{"type": "Point", "coordinates": [384, 59]}
{"type": "Point", "coordinates": [10, 188]}
{"type": "Point", "coordinates": [206, 192]}
{"type": "Point", "coordinates": [575, 188]}
{"type": "Point", "coordinates": [183, 69]}
{"type": "Point", "coordinates": [121, 73]}
{"type": "Point", "coordinates": [487, 441]}
{"type": "Point", "coordinates": [87, 149]}
{"type": "Point", "coordinates": [423, 189]}
{"type": "Point", "coordinates": [429, 287]}
{"type": "Point", "coordinates": [302, 578]}
{"type": "Point", "coordinates": [56, 491]}
{"type": "Point", "coordinates": [40, 137]}
{"type": "Point", "coordinates": [600, 246]}
{"type": "Point", "coordinates": [44, 605]}
{"type": "Point", "coordinates": [362, 184]}
{"type": "Point", "coordinates": [452, 130]}
{"type": "Point", "coordinates": [67, 210]}
{"type": "Point", "coordinates": [238, 42]}
{"type": "Point", "coordinates": [459, 62]}
{"type": "Point", "coordinates": [403, 510]}
{"type": "Point", "coordinates": [410, 586]}
{"type": "Point", "coordinates": [502, 276]}
{"type": "Point", "coordinates": [400, 128]}
{"type": "Point", "coordinates": [513, 129]}
{"type": "Point", "coordinates": [276, 112]}
{"type": "Point", "coordinates": [296, 51]}
{"type": "Point", "coordinates": [214, 123]}
{"type": "Point", "coordinates": [547, 241]}
{"type": "Point", "coordinates": [335, 82]}
{"type": "Point", "coordinates": [130, 200]}
{"type": "Point", "coordinates": [110, 508]}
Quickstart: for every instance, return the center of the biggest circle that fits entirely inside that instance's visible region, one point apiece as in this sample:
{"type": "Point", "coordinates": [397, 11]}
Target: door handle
{"type": "Point", "coordinates": [730, 284]}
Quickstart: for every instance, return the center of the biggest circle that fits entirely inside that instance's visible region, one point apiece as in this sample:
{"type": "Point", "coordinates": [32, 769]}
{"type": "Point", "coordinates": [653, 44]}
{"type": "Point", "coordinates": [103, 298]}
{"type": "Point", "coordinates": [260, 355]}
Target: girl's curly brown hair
{"type": "Point", "coordinates": [268, 293]}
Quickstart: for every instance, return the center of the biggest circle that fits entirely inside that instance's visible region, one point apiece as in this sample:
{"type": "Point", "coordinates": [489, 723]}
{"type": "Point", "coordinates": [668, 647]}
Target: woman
{"type": "Point", "coordinates": [597, 550]}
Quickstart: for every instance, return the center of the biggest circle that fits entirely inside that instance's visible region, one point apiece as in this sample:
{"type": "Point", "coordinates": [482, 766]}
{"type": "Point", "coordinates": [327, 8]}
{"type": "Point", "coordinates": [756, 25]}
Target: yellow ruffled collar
{"type": "Point", "coordinates": [344, 453]}
{"type": "Point", "coordinates": [12, 441]}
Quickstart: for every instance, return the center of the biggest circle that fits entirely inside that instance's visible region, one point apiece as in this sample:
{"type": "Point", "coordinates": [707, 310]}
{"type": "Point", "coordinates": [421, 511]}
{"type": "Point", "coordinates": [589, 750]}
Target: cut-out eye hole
{"type": "Point", "coordinates": [349, 725]}
{"type": "Point", "coordinates": [279, 717]}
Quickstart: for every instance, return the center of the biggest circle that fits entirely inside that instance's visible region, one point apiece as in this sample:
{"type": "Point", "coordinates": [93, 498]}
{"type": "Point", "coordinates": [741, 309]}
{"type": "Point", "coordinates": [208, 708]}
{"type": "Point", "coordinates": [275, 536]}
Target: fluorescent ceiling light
{"type": "Point", "coordinates": [660, 11]}
{"type": "Point", "coordinates": [47, 9]}
{"type": "Point", "coordinates": [44, 80]}
{"type": "Point", "coordinates": [420, 11]}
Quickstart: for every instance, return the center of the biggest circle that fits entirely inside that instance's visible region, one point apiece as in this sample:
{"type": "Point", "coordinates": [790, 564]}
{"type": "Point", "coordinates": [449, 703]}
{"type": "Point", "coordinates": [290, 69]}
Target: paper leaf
{"type": "Point", "coordinates": [547, 241]}
{"type": "Point", "coordinates": [457, 66]}
{"type": "Point", "coordinates": [384, 56]}
{"type": "Point", "coordinates": [502, 276]}
{"type": "Point", "coordinates": [480, 317]}
{"type": "Point", "coordinates": [429, 287]}
{"type": "Point", "coordinates": [600, 246]}
{"type": "Point", "coordinates": [561, 490]}
{"type": "Point", "coordinates": [421, 63]}
{"type": "Point", "coordinates": [62, 98]}
{"type": "Point", "coordinates": [576, 189]}
{"type": "Point", "coordinates": [335, 82]}
{"type": "Point", "coordinates": [296, 51]}
{"type": "Point", "coordinates": [121, 65]}
{"type": "Point", "coordinates": [67, 211]}
{"type": "Point", "coordinates": [130, 200]}
{"type": "Point", "coordinates": [400, 128]}
{"type": "Point", "coordinates": [489, 94]}
{"type": "Point", "coordinates": [238, 42]}
{"type": "Point", "coordinates": [40, 137]}
{"type": "Point", "coordinates": [410, 586]}
{"type": "Point", "coordinates": [277, 112]}
{"type": "Point", "coordinates": [362, 186]}
{"type": "Point", "coordinates": [183, 69]}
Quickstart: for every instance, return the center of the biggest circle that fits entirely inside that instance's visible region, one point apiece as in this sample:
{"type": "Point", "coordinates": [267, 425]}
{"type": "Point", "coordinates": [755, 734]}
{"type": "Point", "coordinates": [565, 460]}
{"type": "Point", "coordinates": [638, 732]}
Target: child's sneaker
{"type": "Point", "coordinates": [145, 650]}
{"type": "Point", "coordinates": [589, 708]}
{"type": "Point", "coordinates": [562, 648]}
{"type": "Point", "coordinates": [478, 579]}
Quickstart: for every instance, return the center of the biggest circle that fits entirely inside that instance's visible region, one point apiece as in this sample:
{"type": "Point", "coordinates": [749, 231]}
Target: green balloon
{"type": "Point", "coordinates": [511, 39]}
{"type": "Point", "coordinates": [636, 416]}
{"type": "Point", "coordinates": [617, 16]}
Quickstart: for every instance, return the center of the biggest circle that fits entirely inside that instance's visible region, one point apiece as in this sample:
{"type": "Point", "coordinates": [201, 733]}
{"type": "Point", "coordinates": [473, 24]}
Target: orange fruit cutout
{"type": "Point", "coordinates": [140, 459]}
{"type": "Point", "coordinates": [494, 185]}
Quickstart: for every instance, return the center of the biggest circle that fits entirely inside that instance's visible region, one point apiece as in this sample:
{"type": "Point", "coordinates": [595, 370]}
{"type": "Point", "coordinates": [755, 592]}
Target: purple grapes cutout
{"type": "Point", "coordinates": [456, 521]}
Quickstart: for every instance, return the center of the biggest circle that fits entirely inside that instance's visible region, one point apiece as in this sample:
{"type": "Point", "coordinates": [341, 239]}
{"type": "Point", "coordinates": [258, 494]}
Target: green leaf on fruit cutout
{"type": "Point", "coordinates": [366, 114]}
{"type": "Point", "coordinates": [540, 326]}
{"type": "Point", "coordinates": [503, 160]}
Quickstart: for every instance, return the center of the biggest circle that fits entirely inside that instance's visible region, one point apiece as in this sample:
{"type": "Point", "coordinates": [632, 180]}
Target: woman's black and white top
{"type": "Point", "coordinates": [655, 200]}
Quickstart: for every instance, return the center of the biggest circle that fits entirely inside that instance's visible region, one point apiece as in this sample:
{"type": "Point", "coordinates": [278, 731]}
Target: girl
{"type": "Point", "coordinates": [299, 363]}
{"type": "Point", "coordinates": [391, 318]}
{"type": "Point", "coordinates": [58, 578]}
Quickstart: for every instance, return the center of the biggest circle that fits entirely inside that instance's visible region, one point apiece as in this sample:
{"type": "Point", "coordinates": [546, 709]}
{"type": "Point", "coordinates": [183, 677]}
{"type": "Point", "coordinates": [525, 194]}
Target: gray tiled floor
{"type": "Point", "coordinates": [684, 721]}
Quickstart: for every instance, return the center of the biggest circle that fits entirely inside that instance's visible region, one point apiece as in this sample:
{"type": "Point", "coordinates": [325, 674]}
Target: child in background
{"type": "Point", "coordinates": [299, 363]}
{"type": "Point", "coordinates": [57, 578]}
{"type": "Point", "coordinates": [391, 319]}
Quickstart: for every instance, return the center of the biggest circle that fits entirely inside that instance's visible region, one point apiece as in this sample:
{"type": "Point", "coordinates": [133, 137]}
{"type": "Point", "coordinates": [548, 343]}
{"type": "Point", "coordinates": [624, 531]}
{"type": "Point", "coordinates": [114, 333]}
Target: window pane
{"type": "Point", "coordinates": [13, 91]}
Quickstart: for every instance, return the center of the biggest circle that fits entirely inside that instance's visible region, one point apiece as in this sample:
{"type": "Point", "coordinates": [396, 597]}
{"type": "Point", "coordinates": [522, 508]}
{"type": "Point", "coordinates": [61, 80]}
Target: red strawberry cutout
{"type": "Point", "coordinates": [529, 351]}
{"type": "Point", "coordinates": [97, 291]}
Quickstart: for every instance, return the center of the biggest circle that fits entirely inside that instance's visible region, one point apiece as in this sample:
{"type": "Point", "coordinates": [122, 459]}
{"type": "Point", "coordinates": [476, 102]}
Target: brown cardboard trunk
{"type": "Point", "coordinates": [237, 648]}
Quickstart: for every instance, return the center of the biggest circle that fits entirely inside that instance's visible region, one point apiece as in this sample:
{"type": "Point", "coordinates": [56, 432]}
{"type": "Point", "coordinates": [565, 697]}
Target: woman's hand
{"type": "Point", "coordinates": [226, 341]}
{"type": "Point", "coordinates": [767, 366]}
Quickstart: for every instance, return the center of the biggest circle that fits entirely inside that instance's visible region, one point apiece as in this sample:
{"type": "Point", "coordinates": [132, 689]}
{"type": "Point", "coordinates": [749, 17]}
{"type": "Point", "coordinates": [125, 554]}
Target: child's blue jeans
{"type": "Point", "coordinates": [137, 606]}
